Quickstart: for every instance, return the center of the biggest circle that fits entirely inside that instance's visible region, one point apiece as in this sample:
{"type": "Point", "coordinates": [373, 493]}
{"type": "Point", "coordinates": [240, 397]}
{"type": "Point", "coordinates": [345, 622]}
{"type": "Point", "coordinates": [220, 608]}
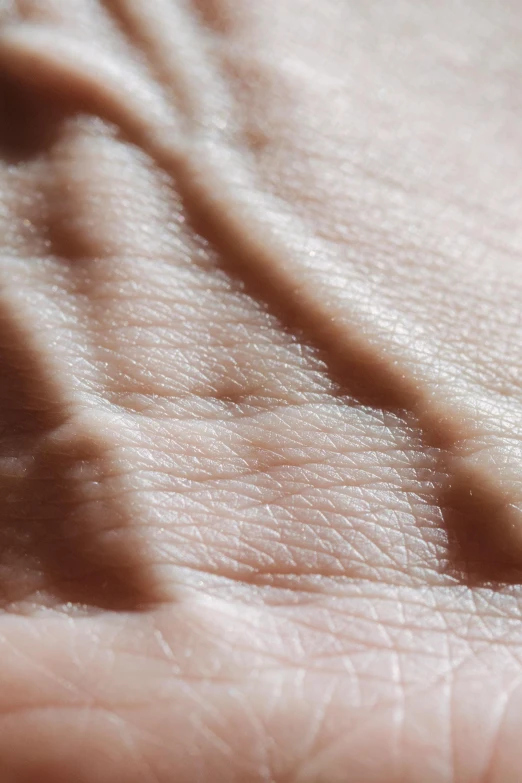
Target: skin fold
{"type": "Point", "coordinates": [260, 391]}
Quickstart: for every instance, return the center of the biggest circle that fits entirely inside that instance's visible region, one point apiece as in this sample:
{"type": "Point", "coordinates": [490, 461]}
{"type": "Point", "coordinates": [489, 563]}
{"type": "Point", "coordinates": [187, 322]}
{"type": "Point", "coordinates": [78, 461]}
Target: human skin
{"type": "Point", "coordinates": [261, 391]}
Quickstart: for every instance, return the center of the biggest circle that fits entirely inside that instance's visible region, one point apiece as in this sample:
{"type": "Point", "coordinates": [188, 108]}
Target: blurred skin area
{"type": "Point", "coordinates": [260, 391]}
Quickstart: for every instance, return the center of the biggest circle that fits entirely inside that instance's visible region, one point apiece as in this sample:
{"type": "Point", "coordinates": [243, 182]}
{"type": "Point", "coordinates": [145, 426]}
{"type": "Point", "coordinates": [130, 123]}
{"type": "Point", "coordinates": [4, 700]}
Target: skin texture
{"type": "Point", "coordinates": [261, 391]}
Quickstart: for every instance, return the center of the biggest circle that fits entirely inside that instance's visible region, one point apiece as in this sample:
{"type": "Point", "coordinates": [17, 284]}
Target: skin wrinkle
{"type": "Point", "coordinates": [490, 506]}
{"type": "Point", "coordinates": [475, 494]}
{"type": "Point", "coordinates": [64, 460]}
{"type": "Point", "coordinates": [365, 664]}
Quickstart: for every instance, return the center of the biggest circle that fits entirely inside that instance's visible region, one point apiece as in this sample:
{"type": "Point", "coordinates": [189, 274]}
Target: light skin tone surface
{"type": "Point", "coordinates": [260, 391]}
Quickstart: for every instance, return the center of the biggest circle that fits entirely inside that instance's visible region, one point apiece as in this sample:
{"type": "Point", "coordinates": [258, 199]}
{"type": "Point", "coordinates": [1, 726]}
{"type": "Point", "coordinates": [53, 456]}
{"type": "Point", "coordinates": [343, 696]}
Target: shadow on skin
{"type": "Point", "coordinates": [47, 520]}
{"type": "Point", "coordinates": [64, 535]}
{"type": "Point", "coordinates": [29, 122]}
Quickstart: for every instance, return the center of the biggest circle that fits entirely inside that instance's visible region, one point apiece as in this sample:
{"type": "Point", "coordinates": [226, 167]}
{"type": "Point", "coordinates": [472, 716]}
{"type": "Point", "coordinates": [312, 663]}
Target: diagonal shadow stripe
{"type": "Point", "coordinates": [482, 521]}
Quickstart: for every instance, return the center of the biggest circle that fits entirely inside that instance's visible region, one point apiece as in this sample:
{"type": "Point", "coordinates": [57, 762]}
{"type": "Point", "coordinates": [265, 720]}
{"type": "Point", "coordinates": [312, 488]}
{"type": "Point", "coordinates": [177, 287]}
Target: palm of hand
{"type": "Point", "coordinates": [260, 453]}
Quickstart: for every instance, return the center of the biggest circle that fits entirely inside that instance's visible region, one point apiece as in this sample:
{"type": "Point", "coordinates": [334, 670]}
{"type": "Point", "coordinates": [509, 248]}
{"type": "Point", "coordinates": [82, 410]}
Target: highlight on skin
{"type": "Point", "coordinates": [260, 467]}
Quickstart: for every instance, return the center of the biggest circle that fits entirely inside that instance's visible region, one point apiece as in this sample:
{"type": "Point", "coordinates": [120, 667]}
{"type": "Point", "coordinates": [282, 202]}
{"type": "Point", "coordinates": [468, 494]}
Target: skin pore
{"type": "Point", "coordinates": [261, 396]}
